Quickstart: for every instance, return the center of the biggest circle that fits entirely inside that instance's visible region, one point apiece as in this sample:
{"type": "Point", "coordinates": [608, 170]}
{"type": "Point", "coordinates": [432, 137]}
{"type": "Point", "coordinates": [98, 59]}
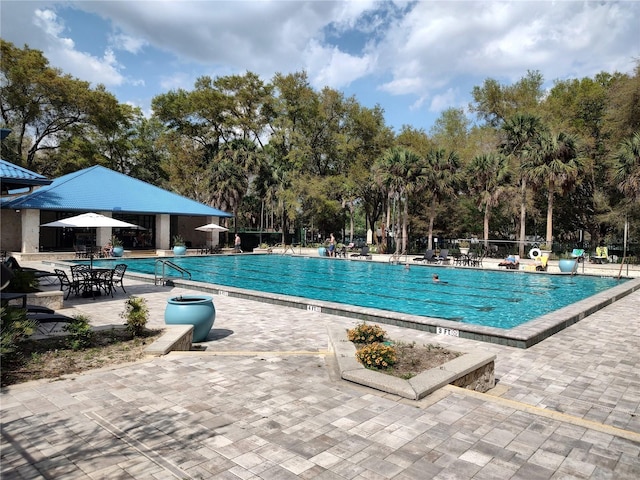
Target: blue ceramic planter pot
{"type": "Point", "coordinates": [567, 265]}
{"type": "Point", "coordinates": [322, 251]}
{"type": "Point", "coordinates": [179, 250]}
{"type": "Point", "coordinates": [196, 310]}
{"type": "Point", "coordinates": [118, 251]}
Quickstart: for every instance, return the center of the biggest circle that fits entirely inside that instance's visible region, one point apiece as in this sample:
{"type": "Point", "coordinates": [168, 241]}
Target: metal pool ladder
{"type": "Point", "coordinates": [165, 275]}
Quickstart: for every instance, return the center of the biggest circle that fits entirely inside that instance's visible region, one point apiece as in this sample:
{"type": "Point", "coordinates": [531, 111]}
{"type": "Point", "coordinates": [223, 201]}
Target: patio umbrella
{"type": "Point", "coordinates": [90, 220]}
{"type": "Point", "coordinates": [212, 227]}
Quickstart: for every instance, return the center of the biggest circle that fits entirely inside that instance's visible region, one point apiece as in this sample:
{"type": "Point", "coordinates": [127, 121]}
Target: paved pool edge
{"type": "Point", "coordinates": [523, 336]}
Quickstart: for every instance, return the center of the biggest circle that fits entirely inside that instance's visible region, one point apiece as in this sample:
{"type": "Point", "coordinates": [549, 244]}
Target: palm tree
{"type": "Point", "coordinates": [231, 184]}
{"type": "Point", "coordinates": [489, 174]}
{"type": "Point", "coordinates": [627, 168]}
{"type": "Point", "coordinates": [520, 132]}
{"type": "Point", "coordinates": [554, 162]}
{"type": "Point", "coordinates": [442, 178]}
{"type": "Point", "coordinates": [402, 173]}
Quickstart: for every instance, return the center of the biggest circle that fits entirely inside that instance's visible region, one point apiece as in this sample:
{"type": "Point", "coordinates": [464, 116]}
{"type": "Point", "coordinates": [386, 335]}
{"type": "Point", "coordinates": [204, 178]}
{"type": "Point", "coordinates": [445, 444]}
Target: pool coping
{"type": "Point", "coordinates": [522, 336]}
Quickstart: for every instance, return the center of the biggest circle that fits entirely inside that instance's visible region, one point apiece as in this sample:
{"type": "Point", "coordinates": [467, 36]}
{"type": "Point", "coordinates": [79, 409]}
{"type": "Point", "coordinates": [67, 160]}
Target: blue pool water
{"type": "Point", "coordinates": [482, 297]}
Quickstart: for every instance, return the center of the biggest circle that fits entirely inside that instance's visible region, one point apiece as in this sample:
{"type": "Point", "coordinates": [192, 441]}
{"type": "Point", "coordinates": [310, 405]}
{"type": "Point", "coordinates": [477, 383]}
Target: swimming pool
{"type": "Point", "coordinates": [475, 297]}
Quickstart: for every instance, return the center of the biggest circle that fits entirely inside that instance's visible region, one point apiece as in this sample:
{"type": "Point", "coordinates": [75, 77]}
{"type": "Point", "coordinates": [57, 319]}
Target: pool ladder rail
{"type": "Point", "coordinates": [168, 267]}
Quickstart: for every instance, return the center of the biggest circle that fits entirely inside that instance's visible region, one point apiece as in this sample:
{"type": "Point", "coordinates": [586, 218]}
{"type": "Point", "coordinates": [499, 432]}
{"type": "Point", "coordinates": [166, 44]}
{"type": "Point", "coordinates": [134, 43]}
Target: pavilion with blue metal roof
{"type": "Point", "coordinates": [14, 177]}
{"type": "Point", "coordinates": [161, 213]}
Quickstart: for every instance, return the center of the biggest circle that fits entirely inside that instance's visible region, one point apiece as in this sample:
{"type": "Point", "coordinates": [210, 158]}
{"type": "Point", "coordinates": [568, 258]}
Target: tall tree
{"type": "Point", "coordinates": [554, 162]}
{"type": "Point", "coordinates": [627, 168]}
{"type": "Point", "coordinates": [489, 176]}
{"type": "Point", "coordinates": [450, 130]}
{"type": "Point", "coordinates": [40, 104]}
{"type": "Point", "coordinates": [442, 178]}
{"type": "Point", "coordinates": [520, 133]}
{"type": "Point", "coordinates": [402, 173]}
{"type": "Point", "coordinates": [495, 103]}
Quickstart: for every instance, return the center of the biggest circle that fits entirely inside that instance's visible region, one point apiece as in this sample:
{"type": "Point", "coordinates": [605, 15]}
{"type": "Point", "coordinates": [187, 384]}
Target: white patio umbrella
{"type": "Point", "coordinates": [212, 227]}
{"type": "Point", "coordinates": [90, 220]}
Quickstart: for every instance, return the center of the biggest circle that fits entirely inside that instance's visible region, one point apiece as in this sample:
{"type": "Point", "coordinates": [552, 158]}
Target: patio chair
{"type": "Point", "coordinates": [66, 284]}
{"type": "Point", "coordinates": [103, 280]}
{"type": "Point", "coordinates": [118, 275]}
{"type": "Point", "coordinates": [81, 251]}
{"type": "Point", "coordinates": [477, 262]}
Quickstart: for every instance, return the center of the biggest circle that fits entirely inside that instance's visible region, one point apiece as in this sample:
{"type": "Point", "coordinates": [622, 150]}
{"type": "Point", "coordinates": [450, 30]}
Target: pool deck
{"type": "Point", "coordinates": [262, 400]}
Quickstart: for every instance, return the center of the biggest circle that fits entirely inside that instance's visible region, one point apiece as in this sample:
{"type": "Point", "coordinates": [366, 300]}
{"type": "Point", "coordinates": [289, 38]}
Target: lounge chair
{"type": "Point", "coordinates": [512, 262]}
{"type": "Point", "coordinates": [52, 319]}
{"type": "Point", "coordinates": [427, 257]}
{"type": "Point", "coordinates": [364, 253]}
{"type": "Point", "coordinates": [602, 255]}
{"type": "Point", "coordinates": [13, 265]}
{"type": "Point", "coordinates": [540, 264]}
{"type": "Point", "coordinates": [443, 257]}
{"type": "Point", "coordinates": [7, 297]}
{"type": "Point", "coordinates": [578, 253]}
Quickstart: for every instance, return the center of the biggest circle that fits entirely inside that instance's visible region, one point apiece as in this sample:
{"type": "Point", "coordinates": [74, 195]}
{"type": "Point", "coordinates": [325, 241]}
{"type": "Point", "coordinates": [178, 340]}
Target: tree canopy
{"type": "Point", "coordinates": [283, 156]}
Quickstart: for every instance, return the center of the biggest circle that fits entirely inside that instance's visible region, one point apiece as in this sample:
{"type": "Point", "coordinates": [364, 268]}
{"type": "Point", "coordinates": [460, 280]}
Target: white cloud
{"type": "Point", "coordinates": [423, 51]}
{"type": "Point", "coordinates": [444, 100]}
{"type": "Point", "coordinates": [128, 43]}
{"type": "Point", "coordinates": [439, 42]}
{"type": "Point", "coordinates": [61, 52]}
{"type": "Point", "coordinates": [332, 68]}
{"type": "Point", "coordinates": [176, 81]}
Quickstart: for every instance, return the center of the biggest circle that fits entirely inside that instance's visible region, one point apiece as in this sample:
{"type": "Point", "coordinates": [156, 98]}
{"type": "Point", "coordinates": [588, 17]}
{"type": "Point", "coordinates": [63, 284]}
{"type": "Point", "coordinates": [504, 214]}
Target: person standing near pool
{"type": "Point", "coordinates": [332, 245]}
{"type": "Point", "coordinates": [236, 245]}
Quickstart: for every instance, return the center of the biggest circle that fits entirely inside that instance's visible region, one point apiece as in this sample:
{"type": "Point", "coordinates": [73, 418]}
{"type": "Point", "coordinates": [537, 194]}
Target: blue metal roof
{"type": "Point", "coordinates": [14, 177]}
{"type": "Point", "coordinates": [98, 188]}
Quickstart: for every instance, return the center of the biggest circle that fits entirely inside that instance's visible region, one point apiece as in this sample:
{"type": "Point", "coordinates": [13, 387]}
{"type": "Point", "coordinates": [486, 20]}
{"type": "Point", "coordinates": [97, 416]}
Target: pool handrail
{"type": "Point", "coordinates": [163, 279]}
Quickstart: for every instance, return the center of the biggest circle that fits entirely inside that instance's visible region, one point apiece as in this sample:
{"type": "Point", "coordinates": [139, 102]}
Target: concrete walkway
{"type": "Point", "coordinates": [263, 401]}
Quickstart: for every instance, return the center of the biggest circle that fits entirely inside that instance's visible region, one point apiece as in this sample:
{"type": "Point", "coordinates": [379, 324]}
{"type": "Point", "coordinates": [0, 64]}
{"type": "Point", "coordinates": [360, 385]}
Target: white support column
{"type": "Point", "coordinates": [30, 231]}
{"type": "Point", "coordinates": [103, 234]}
{"type": "Point", "coordinates": [163, 231]}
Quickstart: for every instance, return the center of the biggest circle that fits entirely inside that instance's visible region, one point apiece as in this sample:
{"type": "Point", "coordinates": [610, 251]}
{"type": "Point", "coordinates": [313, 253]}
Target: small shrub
{"type": "Point", "coordinates": [14, 328]}
{"type": "Point", "coordinates": [376, 355]}
{"type": "Point", "coordinates": [364, 333]}
{"type": "Point", "coordinates": [178, 241]}
{"type": "Point", "coordinates": [136, 314]}
{"type": "Point", "coordinates": [80, 333]}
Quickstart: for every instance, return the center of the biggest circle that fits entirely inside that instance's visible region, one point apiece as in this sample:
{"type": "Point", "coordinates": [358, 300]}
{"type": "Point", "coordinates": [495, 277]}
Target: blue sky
{"type": "Point", "coordinates": [414, 59]}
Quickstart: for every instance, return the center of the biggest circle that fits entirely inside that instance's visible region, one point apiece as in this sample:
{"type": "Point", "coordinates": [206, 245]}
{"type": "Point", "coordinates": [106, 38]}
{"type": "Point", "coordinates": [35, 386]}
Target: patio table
{"type": "Point", "coordinates": [94, 280]}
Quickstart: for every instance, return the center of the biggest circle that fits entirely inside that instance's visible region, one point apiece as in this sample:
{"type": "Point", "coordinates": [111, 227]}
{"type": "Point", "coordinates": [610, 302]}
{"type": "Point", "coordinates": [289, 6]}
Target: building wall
{"type": "Point", "coordinates": [10, 230]}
